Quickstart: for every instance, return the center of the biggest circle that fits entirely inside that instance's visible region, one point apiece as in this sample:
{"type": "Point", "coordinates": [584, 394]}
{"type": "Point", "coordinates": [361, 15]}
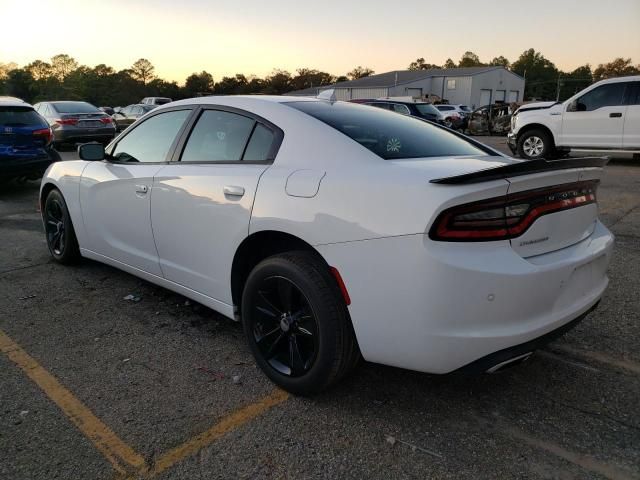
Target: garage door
{"type": "Point", "coordinates": [414, 92]}
{"type": "Point", "coordinates": [513, 96]}
{"type": "Point", "coordinates": [485, 98]}
{"type": "Point", "coordinates": [500, 95]}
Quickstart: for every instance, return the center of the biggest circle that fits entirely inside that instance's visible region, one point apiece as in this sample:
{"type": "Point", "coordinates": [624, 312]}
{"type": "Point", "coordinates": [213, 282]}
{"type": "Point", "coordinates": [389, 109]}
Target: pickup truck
{"type": "Point", "coordinates": [604, 116]}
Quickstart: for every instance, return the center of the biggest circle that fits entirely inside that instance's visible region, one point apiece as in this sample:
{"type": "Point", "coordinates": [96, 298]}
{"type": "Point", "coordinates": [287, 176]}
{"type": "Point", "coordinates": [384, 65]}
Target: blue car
{"type": "Point", "coordinates": [25, 141]}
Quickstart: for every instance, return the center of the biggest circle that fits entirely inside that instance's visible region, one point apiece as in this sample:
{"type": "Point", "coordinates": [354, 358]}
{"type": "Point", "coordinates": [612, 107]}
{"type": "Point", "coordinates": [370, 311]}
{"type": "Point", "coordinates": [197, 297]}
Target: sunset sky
{"type": "Point", "coordinates": [254, 37]}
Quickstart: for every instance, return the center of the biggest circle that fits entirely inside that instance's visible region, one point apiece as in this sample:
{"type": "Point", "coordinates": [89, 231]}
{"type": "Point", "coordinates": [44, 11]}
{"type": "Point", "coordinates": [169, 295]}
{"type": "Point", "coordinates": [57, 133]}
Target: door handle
{"type": "Point", "coordinates": [615, 115]}
{"type": "Point", "coordinates": [233, 190]}
{"type": "Point", "coordinates": [142, 189]}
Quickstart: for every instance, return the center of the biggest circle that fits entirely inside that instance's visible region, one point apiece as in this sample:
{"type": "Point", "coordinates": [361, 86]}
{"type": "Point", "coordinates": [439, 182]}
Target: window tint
{"type": "Point", "coordinates": [75, 107]}
{"type": "Point", "coordinates": [20, 117]}
{"type": "Point", "coordinates": [444, 108]}
{"type": "Point", "coordinates": [399, 108]}
{"type": "Point", "coordinates": [386, 106]}
{"type": "Point", "coordinates": [260, 144]}
{"type": "Point", "coordinates": [151, 140]}
{"type": "Point", "coordinates": [603, 96]}
{"type": "Point", "coordinates": [633, 94]}
{"type": "Point", "coordinates": [387, 134]}
{"type": "Point", "coordinates": [427, 109]}
{"type": "Point", "coordinates": [218, 137]}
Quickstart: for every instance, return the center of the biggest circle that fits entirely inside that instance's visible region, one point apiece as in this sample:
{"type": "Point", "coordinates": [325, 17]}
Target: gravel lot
{"type": "Point", "coordinates": [159, 375]}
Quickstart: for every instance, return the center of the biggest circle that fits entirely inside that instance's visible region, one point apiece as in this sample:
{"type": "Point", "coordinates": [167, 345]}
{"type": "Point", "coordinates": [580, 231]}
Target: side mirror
{"type": "Point", "coordinates": [93, 151]}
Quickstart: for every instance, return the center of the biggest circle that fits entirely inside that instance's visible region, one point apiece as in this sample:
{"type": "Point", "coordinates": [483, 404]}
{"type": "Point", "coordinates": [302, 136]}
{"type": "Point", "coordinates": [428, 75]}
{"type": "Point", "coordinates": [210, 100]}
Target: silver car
{"type": "Point", "coordinates": [76, 122]}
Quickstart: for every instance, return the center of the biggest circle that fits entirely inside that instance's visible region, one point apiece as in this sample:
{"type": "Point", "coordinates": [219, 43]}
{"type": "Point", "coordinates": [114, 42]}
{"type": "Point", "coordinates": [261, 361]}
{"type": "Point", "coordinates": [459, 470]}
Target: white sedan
{"type": "Point", "coordinates": [335, 231]}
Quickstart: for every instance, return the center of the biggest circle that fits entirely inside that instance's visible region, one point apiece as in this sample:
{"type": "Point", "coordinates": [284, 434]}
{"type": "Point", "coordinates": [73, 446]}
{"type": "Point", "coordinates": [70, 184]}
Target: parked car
{"type": "Point", "coordinates": [490, 120]}
{"type": "Point", "coordinates": [604, 116]}
{"type": "Point", "coordinates": [155, 101]}
{"type": "Point", "coordinates": [332, 229]}
{"type": "Point", "coordinates": [129, 114]}
{"type": "Point", "coordinates": [460, 114]}
{"type": "Point", "coordinates": [422, 110]}
{"type": "Point", "coordinates": [76, 122]}
{"type": "Point", "coordinates": [107, 110]}
{"type": "Point", "coordinates": [25, 141]}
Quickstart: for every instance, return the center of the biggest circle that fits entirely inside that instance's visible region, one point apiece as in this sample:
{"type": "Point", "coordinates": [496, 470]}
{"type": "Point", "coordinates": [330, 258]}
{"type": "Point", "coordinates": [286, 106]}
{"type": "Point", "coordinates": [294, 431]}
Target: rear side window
{"type": "Point", "coordinates": [218, 136]}
{"type": "Point", "coordinates": [388, 134]}
{"type": "Point", "coordinates": [151, 140]}
{"type": "Point", "coordinates": [20, 117]}
{"type": "Point", "coordinates": [444, 108]}
{"type": "Point", "coordinates": [609, 95]}
{"type": "Point", "coordinates": [260, 144]}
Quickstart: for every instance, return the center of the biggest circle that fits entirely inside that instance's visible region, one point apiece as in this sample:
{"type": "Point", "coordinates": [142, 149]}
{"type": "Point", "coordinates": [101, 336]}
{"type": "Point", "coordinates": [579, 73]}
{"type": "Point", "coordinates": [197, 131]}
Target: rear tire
{"type": "Point", "coordinates": [297, 324]}
{"type": "Point", "coordinates": [60, 235]}
{"type": "Point", "coordinates": [536, 144]}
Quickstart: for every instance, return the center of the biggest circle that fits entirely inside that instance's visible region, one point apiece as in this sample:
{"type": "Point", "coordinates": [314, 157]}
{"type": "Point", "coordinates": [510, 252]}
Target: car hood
{"type": "Point", "coordinates": [536, 106]}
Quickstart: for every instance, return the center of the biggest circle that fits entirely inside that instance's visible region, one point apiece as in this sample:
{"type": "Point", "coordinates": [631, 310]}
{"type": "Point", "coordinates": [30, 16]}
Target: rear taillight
{"type": "Point", "coordinates": [44, 133]}
{"type": "Point", "coordinates": [106, 120]}
{"type": "Point", "coordinates": [67, 121]}
{"type": "Point", "coordinates": [509, 216]}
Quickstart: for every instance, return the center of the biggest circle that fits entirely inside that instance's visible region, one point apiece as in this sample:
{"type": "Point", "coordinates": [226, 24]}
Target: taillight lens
{"type": "Point", "coordinates": [67, 121]}
{"type": "Point", "coordinates": [44, 133]}
{"type": "Point", "coordinates": [509, 216]}
{"type": "Point", "coordinates": [106, 120]}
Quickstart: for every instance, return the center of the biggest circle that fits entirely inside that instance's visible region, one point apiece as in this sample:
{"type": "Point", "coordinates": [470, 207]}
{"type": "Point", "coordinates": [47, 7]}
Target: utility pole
{"type": "Point", "coordinates": [558, 89]}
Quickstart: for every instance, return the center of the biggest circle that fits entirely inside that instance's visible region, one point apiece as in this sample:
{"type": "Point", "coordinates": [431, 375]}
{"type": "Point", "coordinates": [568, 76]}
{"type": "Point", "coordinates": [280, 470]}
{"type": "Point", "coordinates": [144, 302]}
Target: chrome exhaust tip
{"type": "Point", "coordinates": [509, 363]}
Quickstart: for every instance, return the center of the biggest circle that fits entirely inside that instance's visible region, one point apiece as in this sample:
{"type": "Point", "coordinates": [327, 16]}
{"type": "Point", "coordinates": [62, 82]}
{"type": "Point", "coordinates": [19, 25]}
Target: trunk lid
{"type": "Point", "coordinates": [559, 229]}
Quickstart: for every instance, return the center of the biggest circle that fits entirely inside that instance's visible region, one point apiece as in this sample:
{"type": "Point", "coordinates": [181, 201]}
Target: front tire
{"type": "Point", "coordinates": [297, 324]}
{"type": "Point", "coordinates": [535, 144]}
{"type": "Point", "coordinates": [61, 237]}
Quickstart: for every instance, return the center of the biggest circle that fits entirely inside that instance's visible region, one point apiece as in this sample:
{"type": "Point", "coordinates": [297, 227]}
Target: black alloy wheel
{"type": "Point", "coordinates": [297, 324]}
{"type": "Point", "coordinates": [284, 327]}
{"type": "Point", "coordinates": [61, 238]}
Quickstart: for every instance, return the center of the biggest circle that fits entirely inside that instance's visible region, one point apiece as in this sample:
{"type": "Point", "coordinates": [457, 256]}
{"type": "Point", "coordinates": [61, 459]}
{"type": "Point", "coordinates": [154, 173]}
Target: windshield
{"type": "Point", "coordinates": [388, 134]}
{"type": "Point", "coordinates": [20, 117]}
{"type": "Point", "coordinates": [427, 109]}
{"type": "Point", "coordinates": [75, 107]}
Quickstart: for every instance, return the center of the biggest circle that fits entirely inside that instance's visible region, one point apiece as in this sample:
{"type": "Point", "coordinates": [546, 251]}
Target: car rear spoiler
{"type": "Point", "coordinates": [521, 168]}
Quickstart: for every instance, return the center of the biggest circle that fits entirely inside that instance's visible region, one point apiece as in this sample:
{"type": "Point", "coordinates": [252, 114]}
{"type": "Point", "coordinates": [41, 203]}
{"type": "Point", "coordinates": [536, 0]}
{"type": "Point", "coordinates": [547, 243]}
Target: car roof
{"type": "Point", "coordinates": [13, 102]}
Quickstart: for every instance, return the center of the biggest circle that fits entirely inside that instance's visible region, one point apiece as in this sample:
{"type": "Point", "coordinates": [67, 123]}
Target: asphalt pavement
{"type": "Point", "coordinates": [93, 386]}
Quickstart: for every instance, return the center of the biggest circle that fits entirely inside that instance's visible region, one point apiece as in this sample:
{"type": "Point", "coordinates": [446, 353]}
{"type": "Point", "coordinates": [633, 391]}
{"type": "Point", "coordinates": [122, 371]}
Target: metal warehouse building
{"type": "Point", "coordinates": [473, 86]}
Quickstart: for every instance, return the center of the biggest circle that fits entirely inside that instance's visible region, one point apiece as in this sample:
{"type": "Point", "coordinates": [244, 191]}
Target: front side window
{"type": "Point", "coordinates": [388, 135]}
{"type": "Point", "coordinates": [218, 136]}
{"type": "Point", "coordinates": [151, 140]}
{"type": "Point", "coordinates": [608, 95]}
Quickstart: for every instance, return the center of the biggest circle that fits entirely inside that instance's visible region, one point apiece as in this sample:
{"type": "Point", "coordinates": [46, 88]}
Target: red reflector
{"type": "Point", "coordinates": [509, 216]}
{"type": "Point", "coordinates": [341, 285]}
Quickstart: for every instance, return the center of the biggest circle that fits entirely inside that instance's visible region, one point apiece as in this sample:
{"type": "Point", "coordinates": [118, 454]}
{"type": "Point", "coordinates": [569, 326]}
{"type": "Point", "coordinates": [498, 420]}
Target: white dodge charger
{"type": "Point", "coordinates": [335, 231]}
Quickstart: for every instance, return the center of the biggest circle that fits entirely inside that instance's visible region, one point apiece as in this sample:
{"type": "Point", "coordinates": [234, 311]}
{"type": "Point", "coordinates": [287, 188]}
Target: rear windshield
{"type": "Point", "coordinates": [426, 108]}
{"type": "Point", "coordinates": [388, 134]}
{"type": "Point", "coordinates": [20, 117]}
{"type": "Point", "coordinates": [75, 107]}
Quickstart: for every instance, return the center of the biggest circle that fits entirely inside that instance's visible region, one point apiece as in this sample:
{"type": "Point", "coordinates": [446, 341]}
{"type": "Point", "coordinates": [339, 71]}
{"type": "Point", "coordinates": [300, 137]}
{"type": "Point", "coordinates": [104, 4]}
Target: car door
{"type": "Point", "coordinates": [201, 204]}
{"type": "Point", "coordinates": [631, 129]}
{"type": "Point", "coordinates": [115, 194]}
{"type": "Point", "coordinates": [596, 118]}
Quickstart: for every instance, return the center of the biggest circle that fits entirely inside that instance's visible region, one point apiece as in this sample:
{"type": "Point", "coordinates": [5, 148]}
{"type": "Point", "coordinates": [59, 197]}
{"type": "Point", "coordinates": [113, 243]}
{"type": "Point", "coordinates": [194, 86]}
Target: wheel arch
{"type": "Point", "coordinates": [258, 246]}
{"type": "Point", "coordinates": [537, 126]}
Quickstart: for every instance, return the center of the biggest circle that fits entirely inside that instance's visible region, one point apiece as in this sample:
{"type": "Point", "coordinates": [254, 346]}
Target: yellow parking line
{"type": "Point", "coordinates": [224, 426]}
{"type": "Point", "coordinates": [105, 440]}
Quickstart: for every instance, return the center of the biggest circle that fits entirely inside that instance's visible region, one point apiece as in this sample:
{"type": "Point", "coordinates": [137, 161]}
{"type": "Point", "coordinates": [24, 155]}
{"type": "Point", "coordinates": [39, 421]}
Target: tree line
{"type": "Point", "coordinates": [63, 78]}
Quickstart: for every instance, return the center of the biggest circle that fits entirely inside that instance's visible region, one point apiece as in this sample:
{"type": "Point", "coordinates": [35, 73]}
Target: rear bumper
{"type": "Point", "coordinates": [84, 135]}
{"type": "Point", "coordinates": [438, 306]}
{"type": "Point", "coordinates": [19, 166]}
